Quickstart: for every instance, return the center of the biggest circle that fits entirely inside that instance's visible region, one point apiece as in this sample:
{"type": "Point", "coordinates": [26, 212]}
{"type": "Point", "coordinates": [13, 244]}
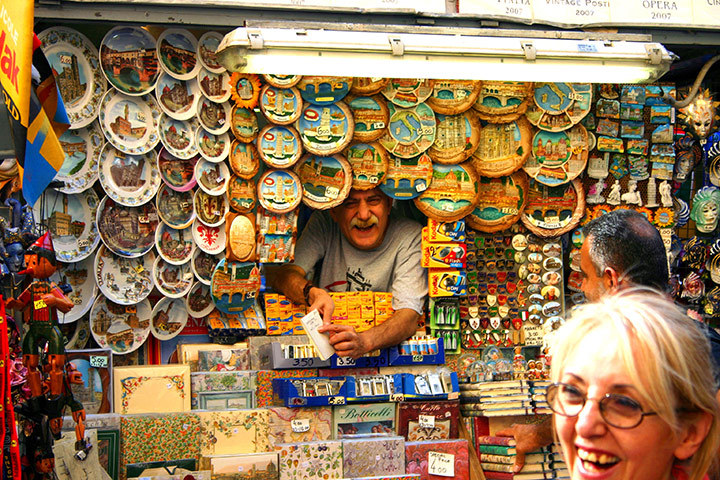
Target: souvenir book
{"type": "Point", "coordinates": [359, 419]}
{"type": "Point", "coordinates": [311, 460]}
{"type": "Point", "coordinates": [152, 389]}
{"type": "Point", "coordinates": [370, 455]}
{"type": "Point", "coordinates": [428, 420]}
{"type": "Point", "coordinates": [293, 425]}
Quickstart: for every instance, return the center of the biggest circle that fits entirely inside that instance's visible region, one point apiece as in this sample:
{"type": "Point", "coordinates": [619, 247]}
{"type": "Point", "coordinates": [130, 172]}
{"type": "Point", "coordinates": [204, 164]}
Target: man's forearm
{"type": "Point", "coordinates": [399, 327]}
{"type": "Point", "coordinates": [288, 280]}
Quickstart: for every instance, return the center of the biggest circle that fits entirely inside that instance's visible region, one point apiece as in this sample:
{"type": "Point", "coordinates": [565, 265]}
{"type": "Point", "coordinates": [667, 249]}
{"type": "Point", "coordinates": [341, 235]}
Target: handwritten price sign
{"type": "Point", "coordinates": [441, 464]}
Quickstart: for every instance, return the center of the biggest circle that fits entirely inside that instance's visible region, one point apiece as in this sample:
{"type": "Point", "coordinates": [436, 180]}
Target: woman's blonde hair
{"type": "Point", "coordinates": [666, 355]}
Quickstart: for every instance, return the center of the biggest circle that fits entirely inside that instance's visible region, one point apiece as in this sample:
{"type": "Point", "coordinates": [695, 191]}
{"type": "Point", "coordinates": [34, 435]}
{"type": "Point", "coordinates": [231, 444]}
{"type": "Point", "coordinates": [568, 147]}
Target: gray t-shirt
{"type": "Point", "coordinates": [393, 267]}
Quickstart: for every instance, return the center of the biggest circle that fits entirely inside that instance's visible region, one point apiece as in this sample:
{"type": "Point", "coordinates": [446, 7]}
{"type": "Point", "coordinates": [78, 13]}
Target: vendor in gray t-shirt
{"type": "Point", "coordinates": [363, 249]}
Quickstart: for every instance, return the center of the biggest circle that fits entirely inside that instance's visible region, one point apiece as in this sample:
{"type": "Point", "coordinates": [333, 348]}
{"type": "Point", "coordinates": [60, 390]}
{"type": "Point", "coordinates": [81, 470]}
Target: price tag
{"type": "Point", "coordinates": [397, 397]}
{"type": "Point", "coordinates": [441, 464]}
{"type": "Point", "coordinates": [336, 401]}
{"type": "Point", "coordinates": [40, 304]}
{"type": "Point", "coordinates": [426, 421]}
{"type": "Point", "coordinates": [332, 192]}
{"type": "Point", "coordinates": [139, 269]}
{"type": "Point", "coordinates": [345, 362]}
{"type": "Point", "coordinates": [301, 425]}
{"type": "Point", "coordinates": [417, 358]}
{"type": "Point", "coordinates": [98, 361]}
{"type": "Point", "coordinates": [84, 243]}
{"type": "Point", "coordinates": [448, 207]}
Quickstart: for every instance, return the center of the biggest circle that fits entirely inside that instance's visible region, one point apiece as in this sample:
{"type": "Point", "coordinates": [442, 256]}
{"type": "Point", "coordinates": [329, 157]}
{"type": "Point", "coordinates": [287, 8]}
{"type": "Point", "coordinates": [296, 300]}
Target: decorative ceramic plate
{"type": "Point", "coordinates": [84, 289]}
{"type": "Point", "coordinates": [177, 173]}
{"type": "Point", "coordinates": [244, 159]}
{"type": "Point", "coordinates": [215, 86]}
{"type": "Point", "coordinates": [559, 106]}
{"type": "Point", "coordinates": [210, 240]}
{"type": "Point", "coordinates": [371, 117]}
{"type": "Point", "coordinates": [552, 211]}
{"type": "Point", "coordinates": [130, 180]}
{"type": "Point", "coordinates": [410, 131]}
{"type": "Point", "coordinates": [368, 85]}
{"type": "Point", "coordinates": [281, 106]}
{"type": "Point", "coordinates": [174, 246]}
{"type": "Point", "coordinates": [211, 209]}
{"type": "Point", "coordinates": [558, 157]}
{"type": "Point", "coordinates": [326, 181]}
{"type": "Point", "coordinates": [451, 97]}
{"type": "Point", "coordinates": [79, 77]}
{"type": "Point", "coordinates": [71, 221]}
{"type": "Point", "coordinates": [130, 123]}
{"type": "Point", "coordinates": [215, 117]}
{"type": "Point", "coordinates": [82, 149]}
{"type": "Point", "coordinates": [279, 146]}
{"type": "Point", "coordinates": [282, 81]}
{"type": "Point", "coordinates": [175, 208]}
{"type": "Point", "coordinates": [279, 191]}
{"type": "Point", "coordinates": [203, 263]}
{"type": "Point", "coordinates": [127, 57]}
{"type": "Point", "coordinates": [241, 194]}
{"type": "Point", "coordinates": [501, 201]}
{"type": "Point", "coordinates": [503, 148]}
{"type": "Point", "coordinates": [234, 285]}
{"type": "Point", "coordinates": [408, 92]}
{"type": "Point", "coordinates": [177, 98]}
{"type": "Point", "coordinates": [369, 162]}
{"type": "Point", "coordinates": [245, 89]}
{"type": "Point", "coordinates": [169, 317]}
{"type": "Point", "coordinates": [76, 334]}
{"type": "Point", "coordinates": [244, 124]}
{"type": "Point", "coordinates": [212, 177]}
{"type": "Point", "coordinates": [126, 281]}
{"type": "Point", "coordinates": [407, 177]}
{"type": "Point", "coordinates": [206, 51]}
{"type": "Point", "coordinates": [324, 90]}
{"type": "Point", "coordinates": [213, 148]}
{"type": "Point", "coordinates": [199, 301]}
{"type": "Point", "coordinates": [121, 328]}
{"type": "Point", "coordinates": [173, 281]}
{"type": "Point", "coordinates": [503, 102]}
{"type": "Point", "coordinates": [176, 55]}
{"type": "Point", "coordinates": [456, 139]}
{"type": "Point", "coordinates": [127, 231]}
{"type": "Point", "coordinates": [325, 130]}
{"type": "Point", "coordinates": [178, 136]}
{"type": "Point", "coordinates": [452, 193]}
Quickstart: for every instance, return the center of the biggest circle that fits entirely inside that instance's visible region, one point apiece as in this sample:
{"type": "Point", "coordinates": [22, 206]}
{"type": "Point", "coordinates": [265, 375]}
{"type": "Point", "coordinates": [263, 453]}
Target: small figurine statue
{"type": "Point", "coordinates": [595, 192]}
{"type": "Point", "coordinates": [665, 194]}
{"type": "Point", "coordinates": [651, 193]}
{"type": "Point", "coordinates": [632, 196]}
{"type": "Point", "coordinates": [614, 195]}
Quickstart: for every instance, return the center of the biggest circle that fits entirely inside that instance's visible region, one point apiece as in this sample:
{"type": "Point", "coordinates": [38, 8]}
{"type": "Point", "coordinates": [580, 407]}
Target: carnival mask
{"type": "Point", "coordinates": [705, 209]}
{"type": "Point", "coordinates": [700, 114]}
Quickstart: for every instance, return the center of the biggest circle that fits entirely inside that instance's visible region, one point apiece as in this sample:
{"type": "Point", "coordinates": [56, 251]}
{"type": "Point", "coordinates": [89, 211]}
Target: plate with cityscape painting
{"type": "Point", "coordinates": [177, 98]}
{"type": "Point", "coordinates": [121, 328]}
{"type": "Point", "coordinates": [124, 280]}
{"type": "Point", "coordinates": [215, 86]}
{"type": "Point", "coordinates": [173, 281]}
{"type": "Point", "coordinates": [178, 136]}
{"type": "Point", "coordinates": [128, 60]}
{"type": "Point", "coordinates": [176, 49]}
{"type": "Point", "coordinates": [130, 180]}
{"type": "Point", "coordinates": [177, 173]}
{"type": "Point", "coordinates": [175, 208]}
{"type": "Point", "coordinates": [199, 302]}
{"type": "Point", "coordinates": [206, 51]}
{"type": "Point", "coordinates": [130, 123]}
{"type": "Point", "coordinates": [82, 149]}
{"type": "Point", "coordinates": [214, 117]}
{"type": "Point", "coordinates": [80, 277]}
{"type": "Point", "coordinates": [174, 246]}
{"type": "Point", "coordinates": [127, 231]}
{"type": "Point", "coordinates": [169, 317]}
{"type": "Point", "coordinates": [203, 263]}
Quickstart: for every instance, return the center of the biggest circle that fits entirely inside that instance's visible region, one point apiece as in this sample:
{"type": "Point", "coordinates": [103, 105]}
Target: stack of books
{"type": "Point", "coordinates": [538, 389]}
{"type": "Point", "coordinates": [558, 463]}
{"type": "Point", "coordinates": [497, 458]}
{"type": "Point", "coordinates": [493, 399]}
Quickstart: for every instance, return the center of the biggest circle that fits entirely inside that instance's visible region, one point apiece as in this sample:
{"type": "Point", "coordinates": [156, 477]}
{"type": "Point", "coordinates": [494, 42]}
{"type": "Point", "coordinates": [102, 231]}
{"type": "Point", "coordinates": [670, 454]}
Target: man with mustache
{"type": "Point", "coordinates": [362, 248]}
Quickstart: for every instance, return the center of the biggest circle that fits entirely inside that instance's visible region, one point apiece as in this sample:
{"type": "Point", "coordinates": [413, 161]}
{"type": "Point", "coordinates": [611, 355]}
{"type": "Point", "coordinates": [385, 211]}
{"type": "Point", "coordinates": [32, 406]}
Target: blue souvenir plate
{"type": "Point", "coordinates": [281, 106]}
{"type": "Point", "coordinates": [279, 146]}
{"type": "Point", "coordinates": [175, 246]}
{"type": "Point", "coordinates": [371, 116]}
{"type": "Point", "coordinates": [326, 181]}
{"type": "Point", "coordinates": [177, 98]}
{"type": "Point", "coordinates": [126, 281]}
{"type": "Point", "coordinates": [130, 180]}
{"type": "Point", "coordinates": [130, 123]}
{"type": "Point", "coordinates": [178, 136]}
{"type": "Point", "coordinates": [127, 57]}
{"type": "Point", "coordinates": [558, 157]}
{"type": "Point", "coordinates": [282, 81]}
{"type": "Point", "coordinates": [326, 130]}
{"type": "Point", "coordinates": [80, 277]}
{"type": "Point", "coordinates": [235, 285]}
{"type": "Point", "coordinates": [279, 191]}
{"type": "Point", "coordinates": [324, 90]}
{"type": "Point", "coordinates": [175, 208]}
{"type": "Point", "coordinates": [169, 317]}
{"type": "Point", "coordinates": [407, 178]}
{"type": "Point", "coordinates": [127, 231]}
{"type": "Point", "coordinates": [177, 173]}
{"type": "Point", "coordinates": [408, 92]}
{"type": "Point", "coordinates": [206, 51]}
{"type": "Point", "coordinates": [244, 124]}
{"type": "Point", "coordinates": [121, 328]}
{"type": "Point", "coordinates": [173, 281]}
{"type": "Point", "coordinates": [82, 149]}
{"type": "Point", "coordinates": [176, 49]}
{"type": "Point", "coordinates": [410, 131]}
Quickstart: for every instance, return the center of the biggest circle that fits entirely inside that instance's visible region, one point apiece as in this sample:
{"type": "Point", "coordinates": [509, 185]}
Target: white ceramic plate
{"type": "Point", "coordinates": [124, 280]}
{"type": "Point", "coordinates": [213, 148]}
{"type": "Point", "coordinates": [175, 246]}
{"type": "Point", "coordinates": [209, 209]}
{"type": "Point", "coordinates": [177, 173]}
{"type": "Point", "coordinates": [173, 281]}
{"type": "Point", "coordinates": [178, 136]}
{"type": "Point", "coordinates": [215, 86]}
{"type": "Point", "coordinates": [177, 98]}
{"type": "Point", "coordinates": [127, 231]}
{"type": "Point", "coordinates": [212, 177]}
{"type": "Point", "coordinates": [84, 289]}
{"type": "Point", "coordinates": [175, 208]}
{"type": "Point", "coordinates": [130, 180]}
{"type": "Point", "coordinates": [199, 302]}
{"type": "Point", "coordinates": [214, 117]}
{"type": "Point", "coordinates": [82, 149]}
{"type": "Point", "coordinates": [176, 52]}
{"type": "Point", "coordinates": [121, 328]}
{"type": "Point", "coordinates": [209, 239]}
{"type": "Point", "coordinates": [207, 47]}
{"type": "Point", "coordinates": [169, 317]}
{"type": "Point", "coordinates": [130, 123]}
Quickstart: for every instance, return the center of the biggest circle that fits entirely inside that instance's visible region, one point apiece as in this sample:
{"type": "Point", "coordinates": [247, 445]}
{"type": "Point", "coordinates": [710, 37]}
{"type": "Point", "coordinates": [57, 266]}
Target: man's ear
{"type": "Point", "coordinates": [692, 435]}
{"type": "Point", "coordinates": [610, 279]}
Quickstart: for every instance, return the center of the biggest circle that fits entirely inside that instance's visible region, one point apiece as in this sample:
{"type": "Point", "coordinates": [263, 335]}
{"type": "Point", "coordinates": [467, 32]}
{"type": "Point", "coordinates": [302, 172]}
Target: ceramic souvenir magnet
{"type": "Point", "coordinates": [369, 162]}
{"type": "Point", "coordinates": [203, 263]}
{"type": "Point", "coordinates": [279, 146]}
{"type": "Point", "coordinates": [210, 209]}
{"type": "Point", "coordinates": [178, 136]}
{"type": "Point", "coordinates": [130, 123]}
{"type": "Point", "coordinates": [173, 281]}
{"type": "Point", "coordinates": [452, 193]}
{"type": "Point", "coordinates": [79, 276]}
{"type": "Point", "coordinates": [213, 148]}
{"type": "Point", "coordinates": [244, 159]}
{"type": "Point", "coordinates": [175, 246]}
{"type": "Point", "coordinates": [175, 208]}
{"type": "Point", "coordinates": [244, 124]}
{"type": "Point", "coordinates": [210, 240]}
{"type": "Point", "coordinates": [281, 106]}
{"type": "Point", "coordinates": [177, 173]}
{"type": "Point", "coordinates": [324, 90]}
{"type": "Point", "coordinates": [326, 181]}
{"type": "Point", "coordinates": [207, 51]}
{"type": "Point", "coordinates": [176, 49]}
{"type": "Point", "coordinates": [371, 117]}
{"type": "Point", "coordinates": [169, 316]}
{"type": "Point", "coordinates": [128, 61]}
{"type": "Point", "coordinates": [214, 117]}
{"type": "Point", "coordinates": [456, 138]}
{"type": "Point", "coordinates": [558, 157]}
{"type": "Point", "coordinates": [235, 285]}
{"type": "Point", "coordinates": [125, 281]}
{"type": "Point", "coordinates": [214, 86]}
{"type": "Point", "coordinates": [282, 81]}
{"type": "Point", "coordinates": [240, 233]}
{"type": "Point", "coordinates": [279, 191]}
{"type": "Point", "coordinates": [500, 203]}
{"type": "Point", "coordinates": [245, 89]}
{"type": "Point", "coordinates": [558, 106]}
{"type": "Point", "coordinates": [241, 194]}
{"type": "Point", "coordinates": [177, 98]}
{"type": "Point", "coordinates": [609, 90]}
{"type": "Point", "coordinates": [127, 231]}
{"type": "Point", "coordinates": [410, 132]}
{"type": "Point", "coordinates": [325, 130]}
{"type": "Point", "coordinates": [503, 148]}
{"type": "Point", "coordinates": [452, 97]}
{"type": "Point", "coordinates": [407, 177]}
{"type": "Point", "coordinates": [212, 177]}
{"type": "Point", "coordinates": [598, 165]}
{"type": "Point", "coordinates": [503, 102]}
{"type": "Point", "coordinates": [199, 302]}
{"type": "Point", "coordinates": [120, 328]}
{"type": "Point", "coordinates": [552, 211]}
{"type": "Point", "coordinates": [82, 149]}
{"type": "Point", "coordinates": [408, 92]}
{"type": "Point", "coordinates": [130, 180]}
{"type": "Point", "coordinates": [368, 85]}
{"type": "Point", "coordinates": [606, 108]}
{"type": "Point", "coordinates": [277, 223]}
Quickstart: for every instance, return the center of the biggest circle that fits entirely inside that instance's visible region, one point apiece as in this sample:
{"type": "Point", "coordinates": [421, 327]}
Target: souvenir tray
{"type": "Point", "coordinates": [212, 147]}
{"type": "Point", "coordinates": [369, 163]}
{"type": "Point", "coordinates": [240, 232]}
{"type": "Point", "coordinates": [503, 102]}
{"type": "Point", "coordinates": [244, 124]}
{"type": "Point", "coordinates": [279, 146]}
{"type": "Point", "coordinates": [324, 90]}
{"type": "Point", "coordinates": [451, 97]}
{"type": "Point", "coordinates": [175, 208]}
{"type": "Point", "coordinates": [456, 137]}
{"type": "Point", "coordinates": [176, 247]}
{"type": "Point", "coordinates": [552, 211]}
{"type": "Point", "coordinates": [127, 57]}
{"type": "Point", "coordinates": [559, 106]}
{"type": "Point", "coordinates": [199, 302]}
{"type": "Point", "coordinates": [234, 285]}
{"type": "Point", "coordinates": [241, 194]}
{"type": "Point", "coordinates": [408, 92]}
{"type": "Point", "coordinates": [130, 180]}
{"type": "Point", "coordinates": [178, 136]}
{"type": "Point", "coordinates": [281, 106]}
{"type": "Point", "coordinates": [207, 51]}
{"type": "Point", "coordinates": [407, 177]}
{"type": "Point", "coordinates": [203, 263]}
{"type": "Point", "coordinates": [169, 317]}
{"type": "Point", "coordinates": [326, 181]}
{"type": "Point", "coordinates": [130, 123]}
{"type": "Point", "coordinates": [244, 159]}
{"type": "Point", "coordinates": [279, 191]}
{"type": "Point", "coordinates": [371, 116]}
{"type": "Point", "coordinates": [176, 49]}
{"type": "Point", "coordinates": [84, 289]}
{"type": "Point", "coordinates": [368, 85]}
{"type": "Point", "coordinates": [210, 209]}
{"type": "Point", "coordinates": [558, 157]}
{"type": "Point", "coordinates": [215, 86]}
{"type": "Point", "coordinates": [121, 328]}
{"type": "Point", "coordinates": [452, 193]}
{"type": "Point", "coordinates": [177, 98]}
{"type": "Point", "coordinates": [325, 130]}
{"type": "Point", "coordinates": [503, 148]}
{"type": "Point", "coordinates": [125, 281]}
{"type": "Point", "coordinates": [173, 281]}
{"type": "Point", "coordinates": [212, 177]}
{"type": "Point", "coordinates": [79, 77]}
{"type": "Point", "coordinates": [76, 334]}
{"type": "Point", "coordinates": [410, 131]}
{"type": "Point", "coordinates": [127, 231]}
{"type": "Point", "coordinates": [82, 149]}
{"type": "Point", "coordinates": [214, 117]}
{"type": "Point", "coordinates": [245, 89]}
{"type": "Point", "coordinates": [177, 173]}
{"type": "Point", "coordinates": [501, 201]}
{"type": "Point", "coordinates": [72, 223]}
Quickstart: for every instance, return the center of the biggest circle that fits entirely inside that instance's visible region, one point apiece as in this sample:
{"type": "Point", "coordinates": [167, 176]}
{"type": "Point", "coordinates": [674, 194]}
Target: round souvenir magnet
{"type": "Point", "coordinates": [552, 211]}
{"type": "Point", "coordinates": [82, 84]}
{"type": "Point", "coordinates": [175, 246]}
{"type": "Point", "coordinates": [82, 149]}
{"type": "Point", "coordinates": [503, 102]}
{"type": "Point", "coordinates": [326, 181]}
{"type": "Point", "coordinates": [121, 328]}
{"type": "Point", "coordinates": [282, 81]}
{"type": "Point", "coordinates": [176, 49]}
{"type": "Point", "coordinates": [244, 124]}
{"type": "Point", "coordinates": [241, 194]}
{"type": "Point", "coordinates": [244, 159]}
{"type": "Point", "coordinates": [177, 98]}
{"type": "Point", "coordinates": [79, 276]}
{"type": "Point", "coordinates": [519, 242]}
{"type": "Point", "coordinates": [577, 237]}
{"type": "Point", "coordinates": [452, 97]}
{"type": "Point", "coordinates": [552, 264]}
{"type": "Point", "coordinates": [410, 131]}
{"type": "Point", "coordinates": [245, 89]}
{"type": "Point", "coordinates": [125, 281]}
{"type": "Point", "coordinates": [211, 209]}
{"type": "Point", "coordinates": [558, 157]}
{"type": "Point", "coordinates": [72, 223]}
{"type": "Point", "coordinates": [501, 201]}
{"type": "Point", "coordinates": [368, 85]}
{"type": "Point", "coordinates": [209, 239]}
{"type": "Point", "coordinates": [456, 138]}
{"type": "Point", "coordinates": [178, 136]}
{"type": "Point", "coordinates": [325, 130]}
{"type": "Point", "coordinates": [127, 231]}
{"type": "Point", "coordinates": [207, 51]}
{"type": "Point", "coordinates": [169, 317]}
{"type": "Point", "coordinates": [559, 106]}
{"type": "Point", "coordinates": [127, 57]}
{"type": "Point", "coordinates": [234, 285]}
{"type": "Point", "coordinates": [130, 180]}
{"type": "Point", "coordinates": [175, 208]}
{"type": "Point", "coordinates": [214, 117]}
{"type": "Point", "coordinates": [452, 193]}
{"type": "Point", "coordinates": [199, 302]}
{"type": "Point", "coordinates": [503, 148]}
{"type": "Point", "coordinates": [215, 86]}
{"type": "Point", "coordinates": [279, 191]}
{"type": "Point", "coordinates": [552, 249]}
{"type": "Point", "coordinates": [408, 92]}
{"type": "Point", "coordinates": [371, 116]}
{"type": "Point", "coordinates": [173, 281]}
{"type": "Point", "coordinates": [130, 123]}
{"type": "Point", "coordinates": [324, 90]}
{"type": "Point", "coordinates": [213, 148]}
{"type": "Point", "coordinates": [279, 146]}
{"type": "Point", "coordinates": [407, 177]}
{"type": "Point", "coordinates": [177, 173]}
{"type": "Point", "coordinates": [369, 162]}
{"type": "Point", "coordinates": [241, 238]}
{"type": "Point", "coordinates": [203, 263]}
{"type": "Point", "coordinates": [212, 177]}
{"type": "Point", "coordinates": [281, 106]}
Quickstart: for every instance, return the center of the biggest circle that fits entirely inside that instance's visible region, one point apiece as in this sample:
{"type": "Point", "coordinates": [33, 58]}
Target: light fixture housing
{"type": "Point", "coordinates": [419, 55]}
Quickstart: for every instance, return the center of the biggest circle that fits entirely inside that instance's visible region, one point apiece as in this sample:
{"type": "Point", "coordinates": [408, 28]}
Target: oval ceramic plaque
{"type": "Point", "coordinates": [371, 117]}
{"type": "Point", "coordinates": [281, 106]}
{"type": "Point", "coordinates": [177, 173]}
{"type": "Point", "coordinates": [127, 57]}
{"type": "Point", "coordinates": [558, 106]}
{"type": "Point", "coordinates": [174, 246]}
{"type": "Point", "coordinates": [211, 209]}
{"type": "Point", "coordinates": [369, 162]}
{"type": "Point", "coordinates": [279, 190]}
{"type": "Point", "coordinates": [214, 117]}
{"type": "Point", "coordinates": [127, 231]}
{"type": "Point", "coordinates": [173, 281]}
{"type": "Point", "coordinates": [212, 147]}
{"type": "Point", "coordinates": [552, 211]}
{"type": "Point", "coordinates": [501, 201]}
{"type": "Point", "coordinates": [368, 85]}
{"type": "Point", "coordinates": [212, 177]}
{"type": "Point", "coordinates": [408, 92]}
{"type": "Point", "coordinates": [327, 129]}
{"type": "Point", "coordinates": [241, 194]}
{"type": "Point", "coordinates": [244, 124]}
{"type": "Point", "coordinates": [84, 289]}
{"type": "Point", "coordinates": [503, 148]}
{"type": "Point", "coordinates": [175, 208]}
{"type": "Point", "coordinates": [199, 302]}
{"type": "Point", "coordinates": [125, 281]}
{"type": "Point", "coordinates": [326, 181]}
{"type": "Point", "coordinates": [558, 157]}
{"type": "Point", "coordinates": [279, 146]}
{"type": "Point", "coordinates": [410, 132]}
{"type": "Point", "coordinates": [215, 86]}
{"type": "Point", "coordinates": [82, 149]}
{"type": "Point", "coordinates": [130, 123]}
{"type": "Point", "coordinates": [324, 90]}
{"type": "Point", "coordinates": [244, 159]}
{"type": "Point", "coordinates": [503, 102]}
{"type": "Point", "coordinates": [209, 239]}
{"type": "Point", "coordinates": [177, 98]}
{"type": "Point", "coordinates": [121, 328]}
{"type": "Point", "coordinates": [282, 81]}
{"type": "Point", "coordinates": [176, 49]}
{"type": "Point", "coordinates": [451, 97]}
{"type": "Point", "coordinates": [452, 193]}
{"type": "Point", "coordinates": [207, 51]}
{"type": "Point", "coordinates": [169, 317]}
{"type": "Point", "coordinates": [407, 177]}
{"type": "Point", "coordinates": [178, 136]}
{"type": "Point", "coordinates": [234, 285]}
{"type": "Point", "coordinates": [456, 138]}
{"type": "Point", "coordinates": [241, 238]}
{"type": "Point", "coordinates": [130, 180]}
{"type": "Point", "coordinates": [203, 263]}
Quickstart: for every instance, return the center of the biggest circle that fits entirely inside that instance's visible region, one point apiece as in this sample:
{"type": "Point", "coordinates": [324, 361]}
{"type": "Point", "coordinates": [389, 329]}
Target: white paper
{"type": "Point", "coordinates": [312, 321]}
